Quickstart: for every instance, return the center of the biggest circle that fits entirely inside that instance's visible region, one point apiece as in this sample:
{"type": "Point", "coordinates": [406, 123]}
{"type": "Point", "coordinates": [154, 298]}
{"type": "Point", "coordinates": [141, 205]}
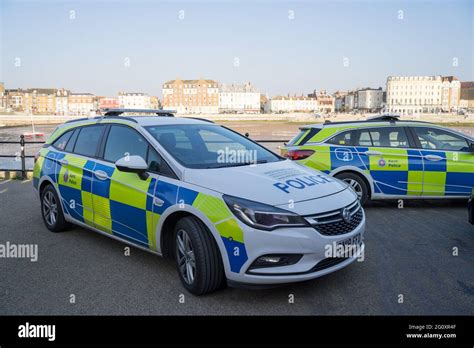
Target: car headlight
{"type": "Point", "coordinates": [262, 216]}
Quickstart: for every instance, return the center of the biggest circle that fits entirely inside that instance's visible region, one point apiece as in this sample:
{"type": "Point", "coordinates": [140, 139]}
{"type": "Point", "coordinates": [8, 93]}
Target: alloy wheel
{"type": "Point", "coordinates": [50, 208]}
{"type": "Point", "coordinates": [185, 256]}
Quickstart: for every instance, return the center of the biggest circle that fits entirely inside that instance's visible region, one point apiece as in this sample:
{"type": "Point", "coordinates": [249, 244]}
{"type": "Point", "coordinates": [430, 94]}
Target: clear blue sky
{"type": "Point", "coordinates": [277, 54]}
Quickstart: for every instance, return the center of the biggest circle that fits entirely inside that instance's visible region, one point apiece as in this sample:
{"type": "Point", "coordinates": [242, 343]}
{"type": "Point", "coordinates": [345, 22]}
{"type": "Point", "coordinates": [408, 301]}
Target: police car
{"type": "Point", "coordinates": [385, 157]}
{"type": "Point", "coordinates": [225, 208]}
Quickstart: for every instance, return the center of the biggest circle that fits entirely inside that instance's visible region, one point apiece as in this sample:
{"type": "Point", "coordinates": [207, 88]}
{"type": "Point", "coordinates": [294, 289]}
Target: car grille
{"type": "Point", "coordinates": [333, 224]}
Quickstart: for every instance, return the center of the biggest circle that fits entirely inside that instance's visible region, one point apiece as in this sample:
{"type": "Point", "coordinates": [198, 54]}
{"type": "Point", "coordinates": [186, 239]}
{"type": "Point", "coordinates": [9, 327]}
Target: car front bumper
{"type": "Point", "coordinates": [317, 252]}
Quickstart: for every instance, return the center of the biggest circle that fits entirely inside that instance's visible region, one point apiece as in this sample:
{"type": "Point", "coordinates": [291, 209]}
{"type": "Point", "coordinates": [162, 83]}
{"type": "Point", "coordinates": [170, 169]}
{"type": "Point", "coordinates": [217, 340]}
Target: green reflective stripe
{"type": "Point", "coordinates": [434, 183]}
{"type": "Point", "coordinates": [38, 166]}
{"type": "Point", "coordinates": [459, 162]}
{"type": "Point", "coordinates": [393, 159]}
{"type": "Point", "coordinates": [219, 214]}
{"type": "Point", "coordinates": [63, 129]}
{"type": "Point", "coordinates": [302, 137]}
{"type": "Point", "coordinates": [214, 208]}
{"type": "Point", "coordinates": [134, 195]}
{"type": "Point", "coordinates": [87, 208]}
{"type": "Point", "coordinates": [102, 216]}
{"type": "Point", "coordinates": [415, 183]}
{"type": "Point", "coordinates": [72, 180]}
{"type": "Point", "coordinates": [320, 160]}
{"type": "Point", "coordinates": [152, 220]}
{"type": "Point", "coordinates": [322, 135]}
{"type": "Point", "coordinates": [230, 229]}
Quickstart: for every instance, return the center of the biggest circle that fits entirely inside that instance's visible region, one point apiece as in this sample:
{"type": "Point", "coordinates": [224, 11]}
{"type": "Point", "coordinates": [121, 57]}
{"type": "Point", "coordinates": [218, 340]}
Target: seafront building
{"type": "Point", "coordinates": [134, 100]}
{"type": "Point", "coordinates": [81, 104]}
{"type": "Point", "coordinates": [410, 95]}
{"type": "Point", "coordinates": [369, 99]}
{"type": "Point", "coordinates": [325, 101]}
{"type": "Point", "coordinates": [239, 99]}
{"type": "Point", "coordinates": [191, 96]}
{"type": "Point", "coordinates": [108, 103]}
{"type": "Point", "coordinates": [467, 95]}
{"type": "Point", "coordinates": [284, 104]}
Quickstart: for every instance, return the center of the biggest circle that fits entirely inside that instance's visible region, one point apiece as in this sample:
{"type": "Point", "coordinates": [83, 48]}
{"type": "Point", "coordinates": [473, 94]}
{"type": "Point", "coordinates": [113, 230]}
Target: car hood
{"type": "Point", "coordinates": [274, 183]}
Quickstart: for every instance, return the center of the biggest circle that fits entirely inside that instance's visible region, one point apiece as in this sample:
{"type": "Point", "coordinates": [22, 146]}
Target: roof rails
{"type": "Point", "coordinates": [119, 112]}
{"type": "Point", "coordinates": [385, 117]}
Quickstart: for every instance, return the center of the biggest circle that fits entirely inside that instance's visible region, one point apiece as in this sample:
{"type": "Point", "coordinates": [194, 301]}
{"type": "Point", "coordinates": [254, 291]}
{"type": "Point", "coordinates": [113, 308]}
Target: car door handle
{"type": "Point", "coordinates": [101, 175]}
{"type": "Point", "coordinates": [373, 153]}
{"type": "Point", "coordinates": [158, 202]}
{"type": "Point", "coordinates": [434, 158]}
{"type": "Point", "coordinates": [63, 162]}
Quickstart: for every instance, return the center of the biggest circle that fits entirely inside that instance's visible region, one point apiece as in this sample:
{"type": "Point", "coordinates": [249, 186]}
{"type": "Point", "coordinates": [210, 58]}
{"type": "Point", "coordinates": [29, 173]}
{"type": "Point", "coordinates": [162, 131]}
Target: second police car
{"type": "Point", "coordinates": [385, 157]}
{"type": "Point", "coordinates": [226, 208]}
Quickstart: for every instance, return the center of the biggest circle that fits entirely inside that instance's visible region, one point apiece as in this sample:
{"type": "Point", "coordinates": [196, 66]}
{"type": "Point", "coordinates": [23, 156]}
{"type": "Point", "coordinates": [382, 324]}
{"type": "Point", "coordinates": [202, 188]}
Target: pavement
{"type": "Point", "coordinates": [409, 252]}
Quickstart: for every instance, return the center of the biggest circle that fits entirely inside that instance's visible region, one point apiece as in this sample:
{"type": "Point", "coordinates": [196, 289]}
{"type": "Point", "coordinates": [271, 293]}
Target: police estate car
{"type": "Point", "coordinates": [384, 157]}
{"type": "Point", "coordinates": [224, 207]}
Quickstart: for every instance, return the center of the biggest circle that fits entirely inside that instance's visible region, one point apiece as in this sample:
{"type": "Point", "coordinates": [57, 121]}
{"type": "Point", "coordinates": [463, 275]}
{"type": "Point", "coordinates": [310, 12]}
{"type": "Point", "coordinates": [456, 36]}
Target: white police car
{"type": "Point", "coordinates": [224, 207]}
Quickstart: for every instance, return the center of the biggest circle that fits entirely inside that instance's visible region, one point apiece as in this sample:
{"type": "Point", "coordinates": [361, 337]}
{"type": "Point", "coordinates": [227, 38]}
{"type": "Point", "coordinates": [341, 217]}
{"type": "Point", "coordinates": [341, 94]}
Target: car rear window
{"type": "Point", "coordinates": [303, 136]}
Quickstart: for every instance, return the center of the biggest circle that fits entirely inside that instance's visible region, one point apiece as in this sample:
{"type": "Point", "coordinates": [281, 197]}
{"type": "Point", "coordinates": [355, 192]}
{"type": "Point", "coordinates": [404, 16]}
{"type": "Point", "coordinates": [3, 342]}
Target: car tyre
{"type": "Point", "coordinates": [358, 184]}
{"type": "Point", "coordinates": [52, 211]}
{"type": "Point", "coordinates": [198, 259]}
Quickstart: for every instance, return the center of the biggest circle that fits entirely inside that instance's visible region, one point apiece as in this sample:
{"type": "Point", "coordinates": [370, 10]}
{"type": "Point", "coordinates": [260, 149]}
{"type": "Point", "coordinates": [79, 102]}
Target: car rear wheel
{"type": "Point", "coordinates": [52, 211]}
{"type": "Point", "coordinates": [197, 257]}
{"type": "Point", "coordinates": [357, 183]}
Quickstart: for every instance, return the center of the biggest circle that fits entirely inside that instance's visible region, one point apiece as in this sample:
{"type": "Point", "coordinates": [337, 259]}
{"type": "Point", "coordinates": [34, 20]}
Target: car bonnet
{"type": "Point", "coordinates": [274, 183]}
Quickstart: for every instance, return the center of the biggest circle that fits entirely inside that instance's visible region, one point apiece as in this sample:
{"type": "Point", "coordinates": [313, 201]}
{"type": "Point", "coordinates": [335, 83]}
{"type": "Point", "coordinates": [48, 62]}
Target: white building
{"type": "Point", "coordinates": [239, 99]}
{"type": "Point", "coordinates": [62, 105]}
{"type": "Point", "coordinates": [134, 100]}
{"type": "Point", "coordinates": [350, 101]}
{"type": "Point", "coordinates": [451, 93]}
{"type": "Point", "coordinates": [370, 99]}
{"type": "Point", "coordinates": [422, 94]}
{"type": "Point", "coordinates": [281, 104]}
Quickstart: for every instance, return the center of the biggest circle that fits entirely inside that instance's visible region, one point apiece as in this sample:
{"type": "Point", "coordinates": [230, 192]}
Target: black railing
{"type": "Point", "coordinates": [22, 155]}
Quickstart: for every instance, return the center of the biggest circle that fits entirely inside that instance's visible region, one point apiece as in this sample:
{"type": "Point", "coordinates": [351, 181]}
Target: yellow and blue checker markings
{"type": "Point", "coordinates": [123, 204]}
{"type": "Point", "coordinates": [401, 171]}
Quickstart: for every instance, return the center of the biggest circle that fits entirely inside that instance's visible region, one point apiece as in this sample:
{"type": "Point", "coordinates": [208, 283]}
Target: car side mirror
{"type": "Point", "coordinates": [471, 146]}
{"type": "Point", "coordinates": [133, 164]}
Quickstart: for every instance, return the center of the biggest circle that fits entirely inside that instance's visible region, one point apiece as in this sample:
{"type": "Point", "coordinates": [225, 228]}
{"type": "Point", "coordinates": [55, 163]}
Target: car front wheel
{"type": "Point", "coordinates": [197, 256]}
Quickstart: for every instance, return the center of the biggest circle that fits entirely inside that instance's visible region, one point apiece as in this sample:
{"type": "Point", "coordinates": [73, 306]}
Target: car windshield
{"type": "Point", "coordinates": [205, 146]}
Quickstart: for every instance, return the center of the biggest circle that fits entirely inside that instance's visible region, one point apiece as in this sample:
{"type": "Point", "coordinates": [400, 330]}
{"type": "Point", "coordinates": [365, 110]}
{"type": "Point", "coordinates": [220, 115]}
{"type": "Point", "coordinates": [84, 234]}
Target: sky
{"type": "Point", "coordinates": [281, 47]}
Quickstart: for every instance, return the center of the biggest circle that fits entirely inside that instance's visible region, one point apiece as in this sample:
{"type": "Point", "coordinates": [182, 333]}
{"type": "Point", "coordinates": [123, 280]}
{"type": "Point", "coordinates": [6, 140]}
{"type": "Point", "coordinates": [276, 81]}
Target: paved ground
{"type": "Point", "coordinates": [408, 252]}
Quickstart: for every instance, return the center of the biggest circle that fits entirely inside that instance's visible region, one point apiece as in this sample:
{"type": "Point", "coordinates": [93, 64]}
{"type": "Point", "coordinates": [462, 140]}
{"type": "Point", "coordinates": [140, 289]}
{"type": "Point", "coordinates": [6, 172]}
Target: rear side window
{"type": "Point", "coordinates": [344, 138]}
{"type": "Point", "coordinates": [123, 141]}
{"type": "Point", "coordinates": [389, 137]}
{"type": "Point", "coordinates": [303, 136]}
{"type": "Point", "coordinates": [61, 142]}
{"type": "Point", "coordinates": [72, 140]}
{"type": "Point", "coordinates": [88, 140]}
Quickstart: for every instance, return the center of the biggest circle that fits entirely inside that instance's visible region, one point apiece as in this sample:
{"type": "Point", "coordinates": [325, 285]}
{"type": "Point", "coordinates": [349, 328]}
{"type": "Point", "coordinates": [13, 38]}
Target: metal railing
{"type": "Point", "coordinates": [22, 155]}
